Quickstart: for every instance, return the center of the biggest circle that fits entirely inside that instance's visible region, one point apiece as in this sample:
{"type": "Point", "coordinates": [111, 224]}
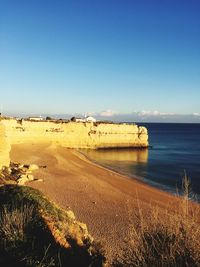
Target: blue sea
{"type": "Point", "coordinates": [174, 151]}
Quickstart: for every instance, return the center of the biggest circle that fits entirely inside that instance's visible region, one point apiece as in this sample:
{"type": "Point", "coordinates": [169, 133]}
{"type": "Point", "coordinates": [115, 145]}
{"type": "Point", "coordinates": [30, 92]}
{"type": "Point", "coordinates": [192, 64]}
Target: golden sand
{"type": "Point", "coordinates": [99, 197]}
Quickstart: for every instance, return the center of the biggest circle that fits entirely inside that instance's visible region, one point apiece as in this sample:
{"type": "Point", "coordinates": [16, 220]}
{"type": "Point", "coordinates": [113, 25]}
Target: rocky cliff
{"type": "Point", "coordinates": [72, 134]}
{"type": "Point", "coordinates": [4, 147]}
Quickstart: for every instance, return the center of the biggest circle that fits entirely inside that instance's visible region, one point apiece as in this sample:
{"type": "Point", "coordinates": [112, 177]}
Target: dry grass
{"type": "Point", "coordinates": [34, 231]}
{"type": "Point", "coordinates": [167, 238]}
{"type": "Point", "coordinates": [13, 223]}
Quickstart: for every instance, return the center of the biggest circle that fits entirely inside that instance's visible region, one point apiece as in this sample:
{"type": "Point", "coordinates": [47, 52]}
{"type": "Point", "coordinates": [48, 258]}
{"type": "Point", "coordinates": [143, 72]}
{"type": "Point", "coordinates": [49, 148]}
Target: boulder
{"type": "Point", "coordinates": [33, 167]}
{"type": "Point", "coordinates": [70, 214]}
{"type": "Point", "coordinates": [23, 179]}
{"type": "Point", "coordinates": [30, 177]}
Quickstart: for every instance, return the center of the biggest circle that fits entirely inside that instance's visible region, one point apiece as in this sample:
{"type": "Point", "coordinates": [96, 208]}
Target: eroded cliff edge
{"type": "Point", "coordinates": [69, 135]}
{"type": "Point", "coordinates": [4, 147]}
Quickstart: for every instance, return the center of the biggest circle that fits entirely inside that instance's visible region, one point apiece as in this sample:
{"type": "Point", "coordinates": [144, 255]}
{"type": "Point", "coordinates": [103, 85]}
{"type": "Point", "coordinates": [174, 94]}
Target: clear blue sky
{"type": "Point", "coordinates": [89, 56]}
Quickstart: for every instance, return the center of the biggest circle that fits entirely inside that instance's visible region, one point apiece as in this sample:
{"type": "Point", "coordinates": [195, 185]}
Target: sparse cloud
{"type": "Point", "coordinates": [108, 113]}
{"type": "Point", "coordinates": [153, 113]}
{"type": "Point", "coordinates": [196, 114]}
{"type": "Point", "coordinates": [149, 116]}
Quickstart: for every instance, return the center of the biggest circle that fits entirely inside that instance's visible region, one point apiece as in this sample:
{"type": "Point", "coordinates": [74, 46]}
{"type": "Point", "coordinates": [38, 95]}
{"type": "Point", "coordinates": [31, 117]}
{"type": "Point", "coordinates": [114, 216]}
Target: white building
{"type": "Point", "coordinates": [86, 119]}
{"type": "Point", "coordinates": [39, 118]}
{"type": "Point", "coordinates": [79, 120]}
{"type": "Point", "coordinates": [90, 119]}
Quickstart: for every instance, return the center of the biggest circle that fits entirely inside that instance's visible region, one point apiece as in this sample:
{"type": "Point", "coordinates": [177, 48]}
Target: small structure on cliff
{"type": "Point", "coordinates": [39, 118]}
{"type": "Point", "coordinates": [86, 119]}
{"type": "Point", "coordinates": [90, 119]}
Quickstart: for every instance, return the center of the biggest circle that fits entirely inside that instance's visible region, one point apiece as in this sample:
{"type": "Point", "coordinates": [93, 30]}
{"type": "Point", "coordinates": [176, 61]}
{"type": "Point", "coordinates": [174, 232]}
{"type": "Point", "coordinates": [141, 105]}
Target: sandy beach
{"type": "Point", "coordinates": [99, 197]}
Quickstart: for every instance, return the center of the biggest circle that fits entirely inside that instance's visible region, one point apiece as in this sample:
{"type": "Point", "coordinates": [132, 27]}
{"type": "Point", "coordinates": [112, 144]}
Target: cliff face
{"type": "Point", "coordinates": [70, 135]}
{"type": "Point", "coordinates": [4, 147]}
{"type": "Point", "coordinates": [77, 135]}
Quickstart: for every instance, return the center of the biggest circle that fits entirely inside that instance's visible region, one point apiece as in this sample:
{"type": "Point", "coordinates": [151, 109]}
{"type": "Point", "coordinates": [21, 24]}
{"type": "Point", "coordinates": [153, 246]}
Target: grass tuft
{"type": "Point", "coordinates": [167, 238]}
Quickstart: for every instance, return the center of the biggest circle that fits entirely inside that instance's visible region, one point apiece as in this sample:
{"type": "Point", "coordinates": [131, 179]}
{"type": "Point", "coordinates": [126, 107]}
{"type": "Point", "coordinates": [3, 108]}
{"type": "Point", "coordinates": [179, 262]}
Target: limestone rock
{"type": "Point", "coordinates": [70, 214]}
{"type": "Point", "coordinates": [4, 147]}
{"type": "Point", "coordinates": [77, 135]}
{"type": "Point", "coordinates": [33, 167]}
{"type": "Point", "coordinates": [20, 166]}
{"type": "Point", "coordinates": [22, 180]}
{"type": "Point", "coordinates": [30, 177]}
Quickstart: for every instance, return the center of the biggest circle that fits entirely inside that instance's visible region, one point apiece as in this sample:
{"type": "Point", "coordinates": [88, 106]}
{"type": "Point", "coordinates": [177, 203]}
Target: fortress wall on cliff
{"type": "Point", "coordinates": [74, 134]}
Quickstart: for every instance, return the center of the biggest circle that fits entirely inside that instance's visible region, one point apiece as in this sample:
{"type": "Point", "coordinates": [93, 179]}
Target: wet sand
{"type": "Point", "coordinates": [99, 197]}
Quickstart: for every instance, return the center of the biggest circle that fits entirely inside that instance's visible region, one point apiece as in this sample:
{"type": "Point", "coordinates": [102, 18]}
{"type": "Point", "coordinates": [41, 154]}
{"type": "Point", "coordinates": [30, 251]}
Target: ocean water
{"type": "Point", "coordinates": [175, 150]}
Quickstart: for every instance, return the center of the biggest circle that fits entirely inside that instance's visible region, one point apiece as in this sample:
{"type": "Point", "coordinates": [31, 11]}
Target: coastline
{"type": "Point", "coordinates": [138, 178]}
{"type": "Point", "coordinates": [103, 199]}
{"type": "Point", "coordinates": [173, 190]}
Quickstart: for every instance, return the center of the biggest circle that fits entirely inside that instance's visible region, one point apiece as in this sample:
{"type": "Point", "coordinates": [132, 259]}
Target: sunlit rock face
{"type": "Point", "coordinates": [4, 147]}
{"type": "Point", "coordinates": [77, 134]}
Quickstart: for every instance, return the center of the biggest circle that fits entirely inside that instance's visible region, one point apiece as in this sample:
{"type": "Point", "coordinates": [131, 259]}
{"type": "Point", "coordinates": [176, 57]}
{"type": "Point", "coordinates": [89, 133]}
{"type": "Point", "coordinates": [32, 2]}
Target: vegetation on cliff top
{"type": "Point", "coordinates": [36, 232]}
